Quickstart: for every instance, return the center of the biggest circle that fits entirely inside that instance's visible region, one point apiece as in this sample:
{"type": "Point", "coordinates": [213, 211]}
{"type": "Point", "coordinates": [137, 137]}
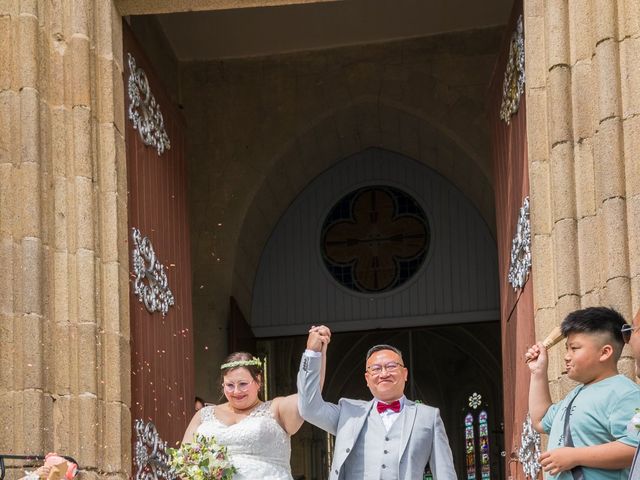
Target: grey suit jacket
{"type": "Point", "coordinates": [423, 441]}
{"type": "Point", "coordinates": [634, 473]}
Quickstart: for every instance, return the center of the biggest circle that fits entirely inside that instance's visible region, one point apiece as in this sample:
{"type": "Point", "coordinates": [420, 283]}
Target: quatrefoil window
{"type": "Point", "coordinates": [375, 239]}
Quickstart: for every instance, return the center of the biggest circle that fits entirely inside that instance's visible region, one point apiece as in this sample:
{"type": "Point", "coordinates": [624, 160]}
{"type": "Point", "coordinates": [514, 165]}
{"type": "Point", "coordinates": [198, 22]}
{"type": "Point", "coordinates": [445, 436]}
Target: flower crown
{"type": "Point", "coordinates": [242, 363]}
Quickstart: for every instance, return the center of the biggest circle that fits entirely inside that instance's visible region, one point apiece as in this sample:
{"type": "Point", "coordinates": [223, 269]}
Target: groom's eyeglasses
{"type": "Point", "coordinates": [391, 367]}
{"type": "Point", "coordinates": [627, 330]}
{"type": "Point", "coordinates": [241, 386]}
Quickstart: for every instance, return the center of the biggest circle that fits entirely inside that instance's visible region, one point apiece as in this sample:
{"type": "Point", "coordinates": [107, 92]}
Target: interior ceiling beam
{"type": "Point", "coordinates": [147, 7]}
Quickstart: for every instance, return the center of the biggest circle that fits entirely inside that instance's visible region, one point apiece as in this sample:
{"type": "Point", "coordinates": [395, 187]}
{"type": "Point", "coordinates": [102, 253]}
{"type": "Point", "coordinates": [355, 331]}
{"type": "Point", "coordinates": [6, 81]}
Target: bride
{"type": "Point", "coordinates": [257, 434]}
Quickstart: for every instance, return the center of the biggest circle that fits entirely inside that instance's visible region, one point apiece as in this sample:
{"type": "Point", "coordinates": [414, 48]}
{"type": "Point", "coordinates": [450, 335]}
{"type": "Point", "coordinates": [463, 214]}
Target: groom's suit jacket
{"type": "Point", "coordinates": [423, 439]}
{"type": "Point", "coordinates": [634, 473]}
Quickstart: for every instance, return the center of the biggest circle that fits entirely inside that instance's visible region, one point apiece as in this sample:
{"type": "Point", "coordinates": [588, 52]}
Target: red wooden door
{"type": "Point", "coordinates": [162, 368]}
{"type": "Point", "coordinates": [511, 183]}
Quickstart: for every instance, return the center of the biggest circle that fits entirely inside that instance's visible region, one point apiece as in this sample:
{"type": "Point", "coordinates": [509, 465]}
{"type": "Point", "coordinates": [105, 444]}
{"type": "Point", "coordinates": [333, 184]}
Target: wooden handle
{"type": "Point", "coordinates": [550, 340]}
{"type": "Point", "coordinates": [554, 337]}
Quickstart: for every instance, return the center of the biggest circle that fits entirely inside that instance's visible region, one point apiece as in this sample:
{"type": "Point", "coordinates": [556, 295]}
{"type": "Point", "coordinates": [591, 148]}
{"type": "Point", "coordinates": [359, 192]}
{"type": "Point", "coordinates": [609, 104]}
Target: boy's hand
{"type": "Point", "coordinates": [558, 460]}
{"type": "Point", "coordinates": [536, 358]}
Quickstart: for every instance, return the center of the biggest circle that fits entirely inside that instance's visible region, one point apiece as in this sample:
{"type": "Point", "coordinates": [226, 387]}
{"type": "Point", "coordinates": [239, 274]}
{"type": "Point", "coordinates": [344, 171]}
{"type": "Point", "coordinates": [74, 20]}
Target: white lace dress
{"type": "Point", "coordinates": [258, 446]}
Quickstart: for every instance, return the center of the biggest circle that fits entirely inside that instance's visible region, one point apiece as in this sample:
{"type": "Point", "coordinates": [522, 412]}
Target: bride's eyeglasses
{"type": "Point", "coordinates": [230, 387]}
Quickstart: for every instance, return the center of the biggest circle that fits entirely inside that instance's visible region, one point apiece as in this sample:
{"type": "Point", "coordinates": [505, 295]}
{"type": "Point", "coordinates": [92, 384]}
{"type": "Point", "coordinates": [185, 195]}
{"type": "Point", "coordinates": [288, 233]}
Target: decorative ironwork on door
{"type": "Point", "coordinates": [151, 457]}
{"type": "Point", "coordinates": [520, 265]}
{"type": "Point", "coordinates": [529, 451]}
{"type": "Point", "coordinates": [514, 77]}
{"type": "Point", "coordinates": [151, 284]}
{"type": "Point", "coordinates": [144, 110]}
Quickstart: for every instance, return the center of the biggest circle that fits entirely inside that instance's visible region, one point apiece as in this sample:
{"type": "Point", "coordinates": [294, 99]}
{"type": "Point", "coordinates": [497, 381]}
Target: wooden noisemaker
{"type": "Point", "coordinates": [550, 340]}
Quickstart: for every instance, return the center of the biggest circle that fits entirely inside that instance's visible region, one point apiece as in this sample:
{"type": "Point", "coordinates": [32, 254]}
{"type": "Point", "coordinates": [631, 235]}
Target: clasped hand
{"type": "Point", "coordinates": [319, 337]}
{"type": "Point", "coordinates": [558, 460]}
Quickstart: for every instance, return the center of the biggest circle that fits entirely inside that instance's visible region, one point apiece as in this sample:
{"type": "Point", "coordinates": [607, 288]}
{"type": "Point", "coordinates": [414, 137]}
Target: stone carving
{"type": "Point", "coordinates": [529, 451]}
{"type": "Point", "coordinates": [155, 293]}
{"type": "Point", "coordinates": [144, 111]}
{"type": "Point", "coordinates": [513, 86]}
{"type": "Point", "coordinates": [521, 249]}
{"type": "Point", "coordinates": [151, 457]}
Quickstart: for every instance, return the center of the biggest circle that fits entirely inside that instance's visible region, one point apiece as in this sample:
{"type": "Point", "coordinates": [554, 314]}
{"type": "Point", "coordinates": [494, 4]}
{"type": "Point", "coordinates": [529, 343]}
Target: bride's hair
{"type": "Point", "coordinates": [254, 370]}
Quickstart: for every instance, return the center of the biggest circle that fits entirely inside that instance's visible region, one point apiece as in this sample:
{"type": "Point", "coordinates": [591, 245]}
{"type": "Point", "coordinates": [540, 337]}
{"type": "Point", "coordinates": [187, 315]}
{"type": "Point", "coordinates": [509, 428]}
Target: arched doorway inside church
{"type": "Point", "coordinates": [383, 249]}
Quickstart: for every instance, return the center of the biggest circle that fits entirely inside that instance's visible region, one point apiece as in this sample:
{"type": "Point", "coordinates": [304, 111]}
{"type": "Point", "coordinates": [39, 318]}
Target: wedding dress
{"type": "Point", "coordinates": [258, 446]}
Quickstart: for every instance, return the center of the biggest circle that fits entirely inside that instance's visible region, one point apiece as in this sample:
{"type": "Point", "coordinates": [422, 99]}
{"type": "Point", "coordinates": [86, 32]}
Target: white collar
{"type": "Point", "coordinates": [401, 400]}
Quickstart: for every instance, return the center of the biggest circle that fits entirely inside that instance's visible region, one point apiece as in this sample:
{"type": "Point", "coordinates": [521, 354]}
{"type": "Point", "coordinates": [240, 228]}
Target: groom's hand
{"type": "Point", "coordinates": [318, 337]}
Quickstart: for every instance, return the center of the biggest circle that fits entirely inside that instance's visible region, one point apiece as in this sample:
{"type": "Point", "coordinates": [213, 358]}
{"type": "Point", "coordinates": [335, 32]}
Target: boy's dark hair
{"type": "Point", "coordinates": [597, 320]}
{"type": "Point", "coordinates": [382, 346]}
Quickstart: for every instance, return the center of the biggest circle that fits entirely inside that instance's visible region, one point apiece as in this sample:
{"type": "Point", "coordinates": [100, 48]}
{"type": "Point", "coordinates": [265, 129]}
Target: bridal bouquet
{"type": "Point", "coordinates": [203, 459]}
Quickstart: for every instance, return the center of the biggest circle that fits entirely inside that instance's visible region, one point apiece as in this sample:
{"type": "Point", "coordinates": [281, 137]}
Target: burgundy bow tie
{"type": "Point", "coordinates": [395, 406]}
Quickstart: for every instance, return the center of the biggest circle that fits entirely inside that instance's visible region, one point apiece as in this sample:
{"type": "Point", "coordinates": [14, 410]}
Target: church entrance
{"type": "Point", "coordinates": [356, 185]}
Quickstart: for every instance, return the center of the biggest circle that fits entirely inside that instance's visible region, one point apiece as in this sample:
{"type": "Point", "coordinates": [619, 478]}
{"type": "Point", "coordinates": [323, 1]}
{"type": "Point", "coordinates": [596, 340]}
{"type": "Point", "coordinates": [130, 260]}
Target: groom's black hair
{"type": "Point", "coordinates": [382, 346]}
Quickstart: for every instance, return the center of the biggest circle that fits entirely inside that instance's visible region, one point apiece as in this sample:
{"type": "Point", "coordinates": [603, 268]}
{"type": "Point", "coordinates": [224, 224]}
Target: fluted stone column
{"type": "Point", "coordinates": [583, 125]}
{"type": "Point", "coordinates": [64, 316]}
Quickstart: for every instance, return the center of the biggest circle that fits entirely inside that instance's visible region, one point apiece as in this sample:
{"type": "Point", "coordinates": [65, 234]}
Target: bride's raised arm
{"type": "Point", "coordinates": [287, 407]}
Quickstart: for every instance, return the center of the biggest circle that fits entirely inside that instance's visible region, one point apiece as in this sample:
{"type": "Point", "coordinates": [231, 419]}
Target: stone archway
{"type": "Point", "coordinates": [260, 129]}
{"type": "Point", "coordinates": [359, 127]}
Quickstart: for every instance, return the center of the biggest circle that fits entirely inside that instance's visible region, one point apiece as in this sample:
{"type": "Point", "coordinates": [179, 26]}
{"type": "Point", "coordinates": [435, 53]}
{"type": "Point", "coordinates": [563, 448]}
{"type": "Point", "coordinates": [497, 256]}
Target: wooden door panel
{"type": "Point", "coordinates": [162, 368]}
{"type": "Point", "coordinates": [511, 184]}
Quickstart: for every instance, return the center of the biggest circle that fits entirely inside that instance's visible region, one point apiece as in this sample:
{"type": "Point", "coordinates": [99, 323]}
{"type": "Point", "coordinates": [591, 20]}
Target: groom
{"type": "Point", "coordinates": [388, 437]}
{"type": "Point", "coordinates": [631, 335]}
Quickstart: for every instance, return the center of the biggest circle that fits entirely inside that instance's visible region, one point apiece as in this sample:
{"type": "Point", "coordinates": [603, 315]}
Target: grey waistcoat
{"type": "Point", "coordinates": [382, 451]}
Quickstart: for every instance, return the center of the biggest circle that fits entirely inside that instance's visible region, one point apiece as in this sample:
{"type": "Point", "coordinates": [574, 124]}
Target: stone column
{"type": "Point", "coordinates": [583, 125]}
{"type": "Point", "coordinates": [64, 314]}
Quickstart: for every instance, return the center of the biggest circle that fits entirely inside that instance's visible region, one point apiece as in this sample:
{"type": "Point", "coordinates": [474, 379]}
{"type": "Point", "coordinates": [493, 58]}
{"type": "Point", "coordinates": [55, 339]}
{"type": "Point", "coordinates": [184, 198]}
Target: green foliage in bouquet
{"type": "Point", "coordinates": [203, 459]}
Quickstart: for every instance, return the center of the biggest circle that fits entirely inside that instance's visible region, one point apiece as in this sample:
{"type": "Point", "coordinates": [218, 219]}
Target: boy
{"type": "Point", "coordinates": [593, 441]}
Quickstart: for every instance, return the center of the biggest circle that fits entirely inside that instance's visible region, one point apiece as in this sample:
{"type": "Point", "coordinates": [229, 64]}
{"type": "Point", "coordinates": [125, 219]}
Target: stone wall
{"type": "Point", "coordinates": [583, 122]}
{"type": "Point", "coordinates": [260, 129]}
{"type": "Point", "coordinates": [64, 328]}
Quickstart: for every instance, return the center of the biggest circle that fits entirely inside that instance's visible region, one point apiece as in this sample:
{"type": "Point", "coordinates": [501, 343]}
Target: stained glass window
{"type": "Point", "coordinates": [477, 459]}
{"type": "Point", "coordinates": [485, 468]}
{"type": "Point", "coordinates": [470, 447]}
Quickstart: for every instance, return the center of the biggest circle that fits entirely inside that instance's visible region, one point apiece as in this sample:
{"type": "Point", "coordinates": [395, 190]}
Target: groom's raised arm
{"type": "Point", "coordinates": [311, 405]}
